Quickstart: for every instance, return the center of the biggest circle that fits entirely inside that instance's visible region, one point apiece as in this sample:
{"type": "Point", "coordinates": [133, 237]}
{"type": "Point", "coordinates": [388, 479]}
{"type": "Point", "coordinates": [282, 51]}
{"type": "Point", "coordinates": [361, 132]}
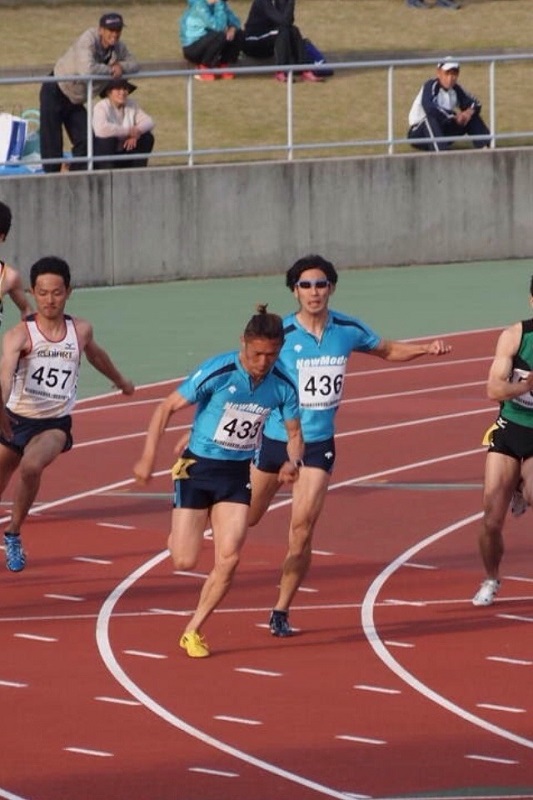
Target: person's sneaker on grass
{"type": "Point", "coordinates": [418, 4]}
{"type": "Point", "coordinates": [486, 593]}
{"type": "Point", "coordinates": [15, 555]}
{"type": "Point", "coordinates": [194, 644]}
{"type": "Point", "coordinates": [518, 502]}
{"type": "Point", "coordinates": [279, 623]}
{"type": "Point", "coordinates": [204, 73]}
{"type": "Point", "coordinates": [227, 75]}
{"type": "Point", "coordinates": [310, 77]}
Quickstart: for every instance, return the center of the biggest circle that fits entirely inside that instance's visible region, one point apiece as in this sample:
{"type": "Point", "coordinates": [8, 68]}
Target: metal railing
{"type": "Point", "coordinates": [290, 147]}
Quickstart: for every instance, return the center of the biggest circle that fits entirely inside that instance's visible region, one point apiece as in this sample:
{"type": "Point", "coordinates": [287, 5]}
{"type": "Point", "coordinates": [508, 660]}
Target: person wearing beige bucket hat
{"type": "Point", "coordinates": [121, 128]}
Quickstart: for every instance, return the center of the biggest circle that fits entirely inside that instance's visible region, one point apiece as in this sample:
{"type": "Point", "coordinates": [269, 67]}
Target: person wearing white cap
{"type": "Point", "coordinates": [442, 111]}
{"type": "Point", "coordinates": [98, 51]}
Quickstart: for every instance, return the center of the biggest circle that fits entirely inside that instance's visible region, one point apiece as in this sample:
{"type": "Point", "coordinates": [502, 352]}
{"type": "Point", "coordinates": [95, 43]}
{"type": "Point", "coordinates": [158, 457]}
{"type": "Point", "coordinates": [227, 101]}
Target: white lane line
{"type": "Point", "coordinates": [307, 589]}
{"type": "Point", "coordinates": [84, 751]}
{"type": "Point", "coordinates": [117, 526]}
{"type": "Point", "coordinates": [412, 392]}
{"type": "Point", "coordinates": [143, 654]}
{"type": "Point", "coordinates": [90, 560]}
{"type": "Point", "coordinates": [372, 635]}
{"type": "Point", "coordinates": [398, 644]}
{"type": "Point", "coordinates": [360, 739]}
{"type": "Point", "coordinates": [380, 689]}
{"type": "Point", "coordinates": [390, 601]}
{"type": "Point", "coordinates": [71, 598]}
{"type": "Point", "coordinates": [13, 684]}
{"type": "Point", "coordinates": [109, 658]}
{"type": "Point", "coordinates": [322, 553]}
{"type": "Point", "coordinates": [170, 612]}
{"type": "Point", "coordinates": [238, 720]}
{"type": "Point", "coordinates": [121, 701]}
{"type": "Point", "coordinates": [216, 772]}
{"type": "Point", "coordinates": [504, 660]}
{"type": "Point", "coordinates": [515, 617]}
{"type": "Point", "coordinates": [491, 759]}
{"type": "Point", "coordinates": [518, 578]}
{"type": "Point", "coordinates": [494, 707]}
{"type": "Point", "coordinates": [35, 637]}
{"type": "Point", "coordinates": [261, 672]}
{"type": "Point", "coordinates": [185, 574]}
{"type": "Point", "coordinates": [419, 566]}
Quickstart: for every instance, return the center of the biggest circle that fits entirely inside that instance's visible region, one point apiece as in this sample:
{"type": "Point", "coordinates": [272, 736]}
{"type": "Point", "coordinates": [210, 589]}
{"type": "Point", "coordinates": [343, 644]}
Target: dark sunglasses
{"type": "Point", "coordinates": [321, 283]}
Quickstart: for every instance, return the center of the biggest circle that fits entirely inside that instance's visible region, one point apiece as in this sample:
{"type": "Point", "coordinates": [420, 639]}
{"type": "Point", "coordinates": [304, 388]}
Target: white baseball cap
{"type": "Point", "coordinates": [448, 64]}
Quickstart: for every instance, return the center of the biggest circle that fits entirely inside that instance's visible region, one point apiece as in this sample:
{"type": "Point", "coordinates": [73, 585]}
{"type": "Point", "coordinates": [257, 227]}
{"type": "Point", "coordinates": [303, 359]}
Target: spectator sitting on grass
{"type": "Point", "coordinates": [211, 36]}
{"type": "Point", "coordinates": [270, 31]}
{"type": "Point", "coordinates": [121, 127]}
{"type": "Point", "coordinates": [442, 108]}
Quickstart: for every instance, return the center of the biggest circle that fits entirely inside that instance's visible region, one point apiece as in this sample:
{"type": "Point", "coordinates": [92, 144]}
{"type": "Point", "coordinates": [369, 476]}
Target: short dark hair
{"type": "Point", "coordinates": [310, 262]}
{"type": "Point", "coordinates": [50, 265]}
{"type": "Point", "coordinates": [5, 219]}
{"type": "Point", "coordinates": [264, 326]}
{"type": "Point", "coordinates": [531, 286]}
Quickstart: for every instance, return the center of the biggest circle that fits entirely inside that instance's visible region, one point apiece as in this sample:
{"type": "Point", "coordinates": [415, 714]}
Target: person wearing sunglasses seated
{"type": "Point", "coordinates": [318, 343]}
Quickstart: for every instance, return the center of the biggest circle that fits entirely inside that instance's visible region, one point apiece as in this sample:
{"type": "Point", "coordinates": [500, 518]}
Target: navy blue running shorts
{"type": "Point", "coordinates": [273, 454]}
{"type": "Point", "coordinates": [510, 439]}
{"type": "Point", "coordinates": [25, 428]}
{"type": "Point", "coordinates": [202, 482]}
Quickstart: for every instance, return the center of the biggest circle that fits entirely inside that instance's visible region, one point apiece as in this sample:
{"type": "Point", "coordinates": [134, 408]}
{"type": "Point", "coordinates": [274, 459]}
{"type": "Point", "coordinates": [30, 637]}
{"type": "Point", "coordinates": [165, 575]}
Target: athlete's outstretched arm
{"type": "Point", "coordinates": [392, 350]}
{"type": "Point", "coordinates": [144, 467]}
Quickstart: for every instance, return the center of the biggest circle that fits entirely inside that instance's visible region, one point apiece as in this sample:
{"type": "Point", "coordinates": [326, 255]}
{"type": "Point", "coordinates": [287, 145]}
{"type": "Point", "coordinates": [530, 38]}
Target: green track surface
{"type": "Point", "coordinates": [161, 331]}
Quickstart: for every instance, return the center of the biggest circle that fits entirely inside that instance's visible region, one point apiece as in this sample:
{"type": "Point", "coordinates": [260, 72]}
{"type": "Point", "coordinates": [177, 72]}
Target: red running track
{"type": "Point", "coordinates": [395, 684]}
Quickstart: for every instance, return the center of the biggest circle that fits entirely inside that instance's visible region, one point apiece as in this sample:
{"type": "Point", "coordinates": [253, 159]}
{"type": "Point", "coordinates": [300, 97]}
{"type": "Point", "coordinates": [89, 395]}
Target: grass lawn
{"type": "Point", "coordinates": [252, 111]}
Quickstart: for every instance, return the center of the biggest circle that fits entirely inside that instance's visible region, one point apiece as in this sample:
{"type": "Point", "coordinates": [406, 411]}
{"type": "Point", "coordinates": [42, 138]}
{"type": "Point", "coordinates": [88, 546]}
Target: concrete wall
{"type": "Point", "coordinates": [162, 224]}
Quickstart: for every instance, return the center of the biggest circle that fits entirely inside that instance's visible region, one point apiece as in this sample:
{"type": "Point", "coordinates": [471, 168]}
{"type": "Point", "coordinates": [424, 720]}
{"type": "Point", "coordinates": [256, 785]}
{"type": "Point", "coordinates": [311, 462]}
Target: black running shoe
{"type": "Point", "coordinates": [279, 623]}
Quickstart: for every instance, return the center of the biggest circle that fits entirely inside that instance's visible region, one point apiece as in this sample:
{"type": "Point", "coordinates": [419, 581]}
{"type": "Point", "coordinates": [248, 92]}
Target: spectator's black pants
{"type": "Point", "coordinates": [112, 146]}
{"type": "Point", "coordinates": [56, 110]}
{"type": "Point", "coordinates": [214, 49]}
{"type": "Point", "coordinates": [286, 45]}
{"type": "Point", "coordinates": [433, 128]}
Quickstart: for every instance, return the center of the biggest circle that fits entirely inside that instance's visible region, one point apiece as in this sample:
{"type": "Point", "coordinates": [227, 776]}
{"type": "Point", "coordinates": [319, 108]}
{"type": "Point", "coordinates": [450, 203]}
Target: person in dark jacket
{"type": "Point", "coordinates": [270, 31]}
{"type": "Point", "coordinates": [442, 108]}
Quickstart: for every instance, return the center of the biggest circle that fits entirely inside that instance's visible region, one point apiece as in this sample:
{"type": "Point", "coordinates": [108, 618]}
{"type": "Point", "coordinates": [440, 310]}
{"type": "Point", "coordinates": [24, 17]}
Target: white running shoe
{"type": "Point", "coordinates": [486, 593]}
{"type": "Point", "coordinates": [518, 503]}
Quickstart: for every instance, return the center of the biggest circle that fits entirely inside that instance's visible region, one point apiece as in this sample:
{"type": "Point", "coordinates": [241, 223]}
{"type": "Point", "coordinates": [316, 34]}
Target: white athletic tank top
{"type": "Point", "coordinates": [46, 379]}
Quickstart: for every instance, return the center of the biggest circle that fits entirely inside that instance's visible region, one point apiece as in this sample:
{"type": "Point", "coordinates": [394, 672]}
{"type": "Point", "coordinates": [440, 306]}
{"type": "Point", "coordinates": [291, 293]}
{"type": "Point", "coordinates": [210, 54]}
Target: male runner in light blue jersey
{"type": "Point", "coordinates": [318, 343]}
{"type": "Point", "coordinates": [234, 393]}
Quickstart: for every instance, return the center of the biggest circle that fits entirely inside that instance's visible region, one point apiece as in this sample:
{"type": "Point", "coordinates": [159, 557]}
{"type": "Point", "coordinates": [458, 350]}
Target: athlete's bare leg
{"type": "Point", "coordinates": [40, 451]}
{"type": "Point", "coordinates": [264, 487]}
{"type": "Point", "coordinates": [501, 475]}
{"type": "Point", "coordinates": [230, 523]}
{"type": "Point", "coordinates": [308, 495]}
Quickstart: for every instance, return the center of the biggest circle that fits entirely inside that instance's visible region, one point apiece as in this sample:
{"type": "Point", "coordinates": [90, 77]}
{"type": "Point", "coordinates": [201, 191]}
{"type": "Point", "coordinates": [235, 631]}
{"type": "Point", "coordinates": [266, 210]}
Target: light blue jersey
{"type": "Point", "coordinates": [317, 366]}
{"type": "Point", "coordinates": [231, 410]}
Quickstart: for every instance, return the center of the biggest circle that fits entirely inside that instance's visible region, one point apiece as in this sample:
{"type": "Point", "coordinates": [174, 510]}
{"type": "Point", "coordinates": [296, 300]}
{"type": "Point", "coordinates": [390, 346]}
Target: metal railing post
{"type": "Point", "coordinates": [390, 108]}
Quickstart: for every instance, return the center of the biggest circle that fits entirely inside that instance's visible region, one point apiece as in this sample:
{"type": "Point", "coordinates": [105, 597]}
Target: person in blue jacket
{"type": "Point", "coordinates": [442, 108]}
{"type": "Point", "coordinates": [234, 393]}
{"type": "Point", "coordinates": [211, 36]}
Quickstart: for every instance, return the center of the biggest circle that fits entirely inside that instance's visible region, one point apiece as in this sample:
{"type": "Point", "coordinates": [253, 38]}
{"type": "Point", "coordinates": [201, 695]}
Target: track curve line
{"type": "Point", "coordinates": [367, 619]}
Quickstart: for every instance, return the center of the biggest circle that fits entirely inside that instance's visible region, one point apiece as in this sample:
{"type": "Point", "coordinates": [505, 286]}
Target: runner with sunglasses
{"type": "Point", "coordinates": [318, 343]}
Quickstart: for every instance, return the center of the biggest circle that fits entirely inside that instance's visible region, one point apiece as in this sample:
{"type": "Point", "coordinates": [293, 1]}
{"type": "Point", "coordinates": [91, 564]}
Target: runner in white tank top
{"type": "Point", "coordinates": [38, 378]}
{"type": "Point", "coordinates": [46, 379]}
